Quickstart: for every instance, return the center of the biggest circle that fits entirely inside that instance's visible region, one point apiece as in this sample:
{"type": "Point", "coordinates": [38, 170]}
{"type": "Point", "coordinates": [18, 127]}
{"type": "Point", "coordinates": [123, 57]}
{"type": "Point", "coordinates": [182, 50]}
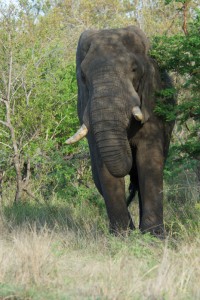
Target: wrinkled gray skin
{"type": "Point", "coordinates": [114, 74]}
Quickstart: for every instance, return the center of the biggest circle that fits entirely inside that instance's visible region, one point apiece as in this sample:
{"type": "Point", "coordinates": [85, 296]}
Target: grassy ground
{"type": "Point", "coordinates": [56, 250]}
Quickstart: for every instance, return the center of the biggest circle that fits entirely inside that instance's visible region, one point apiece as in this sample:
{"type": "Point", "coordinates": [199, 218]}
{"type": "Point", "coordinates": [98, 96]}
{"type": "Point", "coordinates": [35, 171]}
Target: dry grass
{"type": "Point", "coordinates": [50, 260]}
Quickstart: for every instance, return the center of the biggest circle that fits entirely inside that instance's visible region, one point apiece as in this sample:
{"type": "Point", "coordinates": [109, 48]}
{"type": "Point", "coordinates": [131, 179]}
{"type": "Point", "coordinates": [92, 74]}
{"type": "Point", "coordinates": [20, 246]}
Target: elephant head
{"type": "Point", "coordinates": [114, 77]}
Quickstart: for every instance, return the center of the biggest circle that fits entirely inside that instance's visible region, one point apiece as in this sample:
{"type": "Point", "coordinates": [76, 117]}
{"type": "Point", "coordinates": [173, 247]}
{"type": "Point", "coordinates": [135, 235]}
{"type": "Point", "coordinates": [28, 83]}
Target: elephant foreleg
{"type": "Point", "coordinates": [113, 190]}
{"type": "Point", "coordinates": [150, 163]}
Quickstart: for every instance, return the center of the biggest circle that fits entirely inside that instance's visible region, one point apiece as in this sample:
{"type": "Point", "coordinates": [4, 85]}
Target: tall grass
{"type": "Point", "coordinates": [61, 249]}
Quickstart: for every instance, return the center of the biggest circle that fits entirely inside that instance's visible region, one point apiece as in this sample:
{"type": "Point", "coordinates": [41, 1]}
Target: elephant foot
{"type": "Point", "coordinates": [121, 229]}
{"type": "Point", "coordinates": [157, 231]}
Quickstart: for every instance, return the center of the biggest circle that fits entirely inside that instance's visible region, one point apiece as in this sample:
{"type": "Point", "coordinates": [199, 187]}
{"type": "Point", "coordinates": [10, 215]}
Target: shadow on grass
{"type": "Point", "coordinates": [88, 215]}
{"type": "Point", "coordinates": [16, 292]}
{"type": "Point", "coordinates": [85, 216]}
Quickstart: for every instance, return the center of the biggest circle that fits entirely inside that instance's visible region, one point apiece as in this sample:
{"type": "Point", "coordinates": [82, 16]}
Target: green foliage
{"type": "Point", "coordinates": [43, 95]}
{"type": "Point", "coordinates": [179, 54]}
{"type": "Point", "coordinates": [165, 106]}
{"type": "Point", "coordinates": [44, 89]}
{"type": "Point", "coordinates": [179, 1]}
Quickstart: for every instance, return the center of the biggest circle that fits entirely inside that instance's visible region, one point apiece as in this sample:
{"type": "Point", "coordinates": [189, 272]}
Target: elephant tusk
{"type": "Point", "coordinates": [138, 115]}
{"type": "Point", "coordinates": [81, 133]}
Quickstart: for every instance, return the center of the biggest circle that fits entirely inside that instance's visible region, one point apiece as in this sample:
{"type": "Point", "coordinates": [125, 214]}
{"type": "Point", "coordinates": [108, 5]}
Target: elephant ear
{"type": "Point", "coordinates": [147, 88]}
{"type": "Point", "coordinates": [136, 42]}
{"type": "Point", "coordinates": [83, 94]}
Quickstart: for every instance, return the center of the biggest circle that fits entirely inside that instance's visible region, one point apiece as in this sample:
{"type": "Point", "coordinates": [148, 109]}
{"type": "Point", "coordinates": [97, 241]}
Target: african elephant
{"type": "Point", "coordinates": [117, 85]}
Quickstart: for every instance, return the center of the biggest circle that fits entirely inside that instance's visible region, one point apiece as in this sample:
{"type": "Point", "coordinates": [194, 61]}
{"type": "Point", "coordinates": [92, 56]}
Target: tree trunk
{"type": "Point", "coordinates": [1, 185]}
{"type": "Point", "coordinates": [19, 182]}
{"type": "Point", "coordinates": [8, 123]}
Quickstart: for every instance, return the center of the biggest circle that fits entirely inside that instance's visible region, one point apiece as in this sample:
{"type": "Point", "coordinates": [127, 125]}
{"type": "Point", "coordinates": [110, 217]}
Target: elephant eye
{"type": "Point", "coordinates": [134, 68]}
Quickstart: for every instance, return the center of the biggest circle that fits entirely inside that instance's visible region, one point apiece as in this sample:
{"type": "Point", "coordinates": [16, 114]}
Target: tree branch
{"type": "Point", "coordinates": [172, 23]}
{"type": "Point", "coordinates": [35, 134]}
{"type": "Point", "coordinates": [10, 72]}
{"type": "Point", "coordinates": [3, 100]}
{"type": "Point", "coordinates": [30, 194]}
{"type": "Point", "coordinates": [6, 145]}
{"type": "Point", "coordinates": [5, 124]}
{"type": "Point", "coordinates": [185, 9]}
{"type": "Point", "coordinates": [54, 133]}
{"type": "Point", "coordinates": [27, 94]}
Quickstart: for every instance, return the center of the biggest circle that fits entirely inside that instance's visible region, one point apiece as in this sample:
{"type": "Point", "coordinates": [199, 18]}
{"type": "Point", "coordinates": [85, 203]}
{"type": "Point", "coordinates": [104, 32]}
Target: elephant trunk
{"type": "Point", "coordinates": [113, 147]}
{"type": "Point", "coordinates": [108, 124]}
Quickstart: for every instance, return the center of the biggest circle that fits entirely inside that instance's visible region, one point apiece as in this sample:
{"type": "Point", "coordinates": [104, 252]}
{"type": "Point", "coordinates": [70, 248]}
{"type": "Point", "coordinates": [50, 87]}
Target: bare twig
{"type": "Point", "coordinates": [54, 133]}
{"type": "Point", "coordinates": [172, 23]}
{"type": "Point", "coordinates": [185, 10]}
{"type": "Point", "coordinates": [27, 94]}
{"type": "Point", "coordinates": [6, 145]}
{"type": "Point", "coordinates": [5, 123]}
{"type": "Point", "coordinates": [1, 184]}
{"type": "Point", "coordinates": [3, 100]}
{"type": "Point", "coordinates": [10, 75]}
{"type": "Point", "coordinates": [35, 134]}
{"type": "Point", "coordinates": [30, 194]}
{"type": "Point", "coordinates": [8, 123]}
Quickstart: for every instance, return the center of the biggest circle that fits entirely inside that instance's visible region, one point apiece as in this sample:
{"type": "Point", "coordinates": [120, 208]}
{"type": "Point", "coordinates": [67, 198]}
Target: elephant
{"type": "Point", "coordinates": [118, 83]}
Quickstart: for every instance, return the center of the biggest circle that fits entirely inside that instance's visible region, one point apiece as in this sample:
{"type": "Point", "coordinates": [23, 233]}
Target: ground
{"type": "Point", "coordinates": [58, 250]}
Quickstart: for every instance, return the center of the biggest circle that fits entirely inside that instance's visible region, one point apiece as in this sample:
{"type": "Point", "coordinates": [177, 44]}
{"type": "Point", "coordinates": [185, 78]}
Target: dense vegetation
{"type": "Point", "coordinates": [59, 215]}
{"type": "Point", "coordinates": [38, 86]}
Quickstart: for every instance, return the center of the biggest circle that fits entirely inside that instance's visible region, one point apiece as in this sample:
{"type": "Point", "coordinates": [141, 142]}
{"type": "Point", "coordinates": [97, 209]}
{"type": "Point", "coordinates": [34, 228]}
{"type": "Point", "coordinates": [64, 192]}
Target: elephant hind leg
{"type": "Point", "coordinates": [134, 182]}
{"type": "Point", "coordinates": [132, 192]}
{"type": "Point", "coordinates": [134, 188]}
{"type": "Point", "coordinates": [150, 163]}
